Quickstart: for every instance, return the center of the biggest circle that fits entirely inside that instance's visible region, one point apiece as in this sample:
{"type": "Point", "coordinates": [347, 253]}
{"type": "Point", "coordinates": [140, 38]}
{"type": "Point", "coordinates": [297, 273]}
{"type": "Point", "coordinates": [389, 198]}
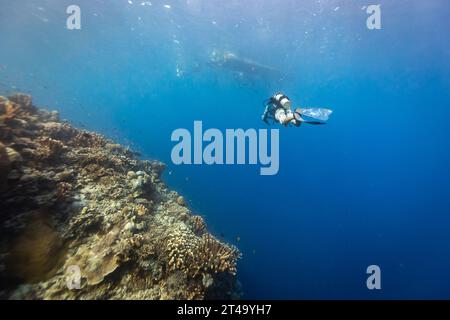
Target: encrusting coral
{"type": "Point", "coordinates": [69, 197]}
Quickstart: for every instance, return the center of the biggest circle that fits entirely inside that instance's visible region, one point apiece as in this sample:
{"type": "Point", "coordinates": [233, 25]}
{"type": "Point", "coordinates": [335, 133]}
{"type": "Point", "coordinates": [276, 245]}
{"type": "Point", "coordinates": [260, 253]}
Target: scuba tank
{"type": "Point", "coordinates": [281, 100]}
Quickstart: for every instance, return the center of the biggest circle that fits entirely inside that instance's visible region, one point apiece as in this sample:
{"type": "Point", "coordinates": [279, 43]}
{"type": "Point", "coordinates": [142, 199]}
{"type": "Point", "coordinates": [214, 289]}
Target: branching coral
{"type": "Point", "coordinates": [180, 248]}
{"type": "Point", "coordinates": [8, 110]}
{"type": "Point", "coordinates": [12, 107]}
{"type": "Point", "coordinates": [23, 100]}
{"type": "Point", "coordinates": [214, 256]}
{"type": "Point", "coordinates": [63, 189]}
{"type": "Point", "coordinates": [141, 210]}
{"type": "Point", "coordinates": [198, 225]}
{"type": "Point", "coordinates": [50, 149]}
{"type": "Point", "coordinates": [199, 255]}
{"type": "Point", "coordinates": [15, 115]}
{"type": "Point", "coordinates": [57, 130]}
{"type": "Point", "coordinates": [88, 140]}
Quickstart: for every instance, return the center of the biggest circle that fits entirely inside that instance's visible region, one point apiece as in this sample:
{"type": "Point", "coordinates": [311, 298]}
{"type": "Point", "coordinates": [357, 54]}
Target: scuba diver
{"type": "Point", "coordinates": [278, 109]}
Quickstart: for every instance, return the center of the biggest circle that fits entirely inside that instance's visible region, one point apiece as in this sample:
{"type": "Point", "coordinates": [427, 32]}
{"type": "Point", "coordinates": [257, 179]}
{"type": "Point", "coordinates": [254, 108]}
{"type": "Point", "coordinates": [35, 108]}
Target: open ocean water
{"type": "Point", "coordinates": [372, 187]}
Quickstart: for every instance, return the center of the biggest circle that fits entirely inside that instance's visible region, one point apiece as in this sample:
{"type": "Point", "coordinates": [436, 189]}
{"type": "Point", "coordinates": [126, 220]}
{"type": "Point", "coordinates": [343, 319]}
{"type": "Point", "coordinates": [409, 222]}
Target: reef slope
{"type": "Point", "coordinates": [75, 205]}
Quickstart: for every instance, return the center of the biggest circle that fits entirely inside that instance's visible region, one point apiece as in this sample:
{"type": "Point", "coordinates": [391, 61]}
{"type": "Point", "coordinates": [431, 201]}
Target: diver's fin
{"type": "Point", "coordinates": [314, 122]}
{"type": "Point", "coordinates": [320, 114]}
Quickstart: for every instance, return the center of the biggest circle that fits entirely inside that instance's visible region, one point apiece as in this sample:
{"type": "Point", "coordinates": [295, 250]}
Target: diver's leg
{"type": "Point", "coordinates": [297, 123]}
{"type": "Point", "coordinates": [297, 117]}
{"type": "Point", "coordinates": [293, 118]}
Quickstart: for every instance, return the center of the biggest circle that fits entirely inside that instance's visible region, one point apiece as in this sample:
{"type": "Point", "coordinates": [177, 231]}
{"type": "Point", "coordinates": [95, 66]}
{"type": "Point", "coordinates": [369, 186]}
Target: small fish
{"type": "Point", "coordinates": [238, 238]}
{"type": "Point", "coordinates": [254, 251]}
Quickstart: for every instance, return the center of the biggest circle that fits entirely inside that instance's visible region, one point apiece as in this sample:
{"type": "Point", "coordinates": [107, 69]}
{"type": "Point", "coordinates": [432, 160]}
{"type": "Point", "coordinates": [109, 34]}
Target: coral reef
{"type": "Point", "coordinates": [198, 225]}
{"type": "Point", "coordinates": [72, 198]}
{"type": "Point", "coordinates": [4, 166]}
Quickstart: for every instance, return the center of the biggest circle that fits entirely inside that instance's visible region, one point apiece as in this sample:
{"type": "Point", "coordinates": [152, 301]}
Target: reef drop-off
{"type": "Point", "coordinates": [70, 198]}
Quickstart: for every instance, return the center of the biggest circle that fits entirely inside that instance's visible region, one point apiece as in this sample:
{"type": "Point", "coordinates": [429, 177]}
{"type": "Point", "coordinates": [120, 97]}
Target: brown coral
{"type": "Point", "coordinates": [88, 140]}
{"type": "Point", "coordinates": [98, 260]}
{"type": "Point", "coordinates": [8, 110]}
{"type": "Point", "coordinates": [5, 166]}
{"type": "Point", "coordinates": [57, 130]}
{"type": "Point", "coordinates": [15, 116]}
{"type": "Point", "coordinates": [141, 210]}
{"type": "Point", "coordinates": [198, 225]}
{"type": "Point", "coordinates": [199, 255]}
{"type": "Point", "coordinates": [63, 189]}
{"type": "Point", "coordinates": [22, 100]}
{"type": "Point", "coordinates": [13, 106]}
{"type": "Point", "coordinates": [157, 167]}
{"type": "Point", "coordinates": [50, 149]}
{"type": "Point", "coordinates": [37, 252]}
{"type": "Point", "coordinates": [214, 256]}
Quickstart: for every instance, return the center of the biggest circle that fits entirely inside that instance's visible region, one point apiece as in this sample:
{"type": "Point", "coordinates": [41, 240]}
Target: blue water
{"type": "Point", "coordinates": [370, 187]}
